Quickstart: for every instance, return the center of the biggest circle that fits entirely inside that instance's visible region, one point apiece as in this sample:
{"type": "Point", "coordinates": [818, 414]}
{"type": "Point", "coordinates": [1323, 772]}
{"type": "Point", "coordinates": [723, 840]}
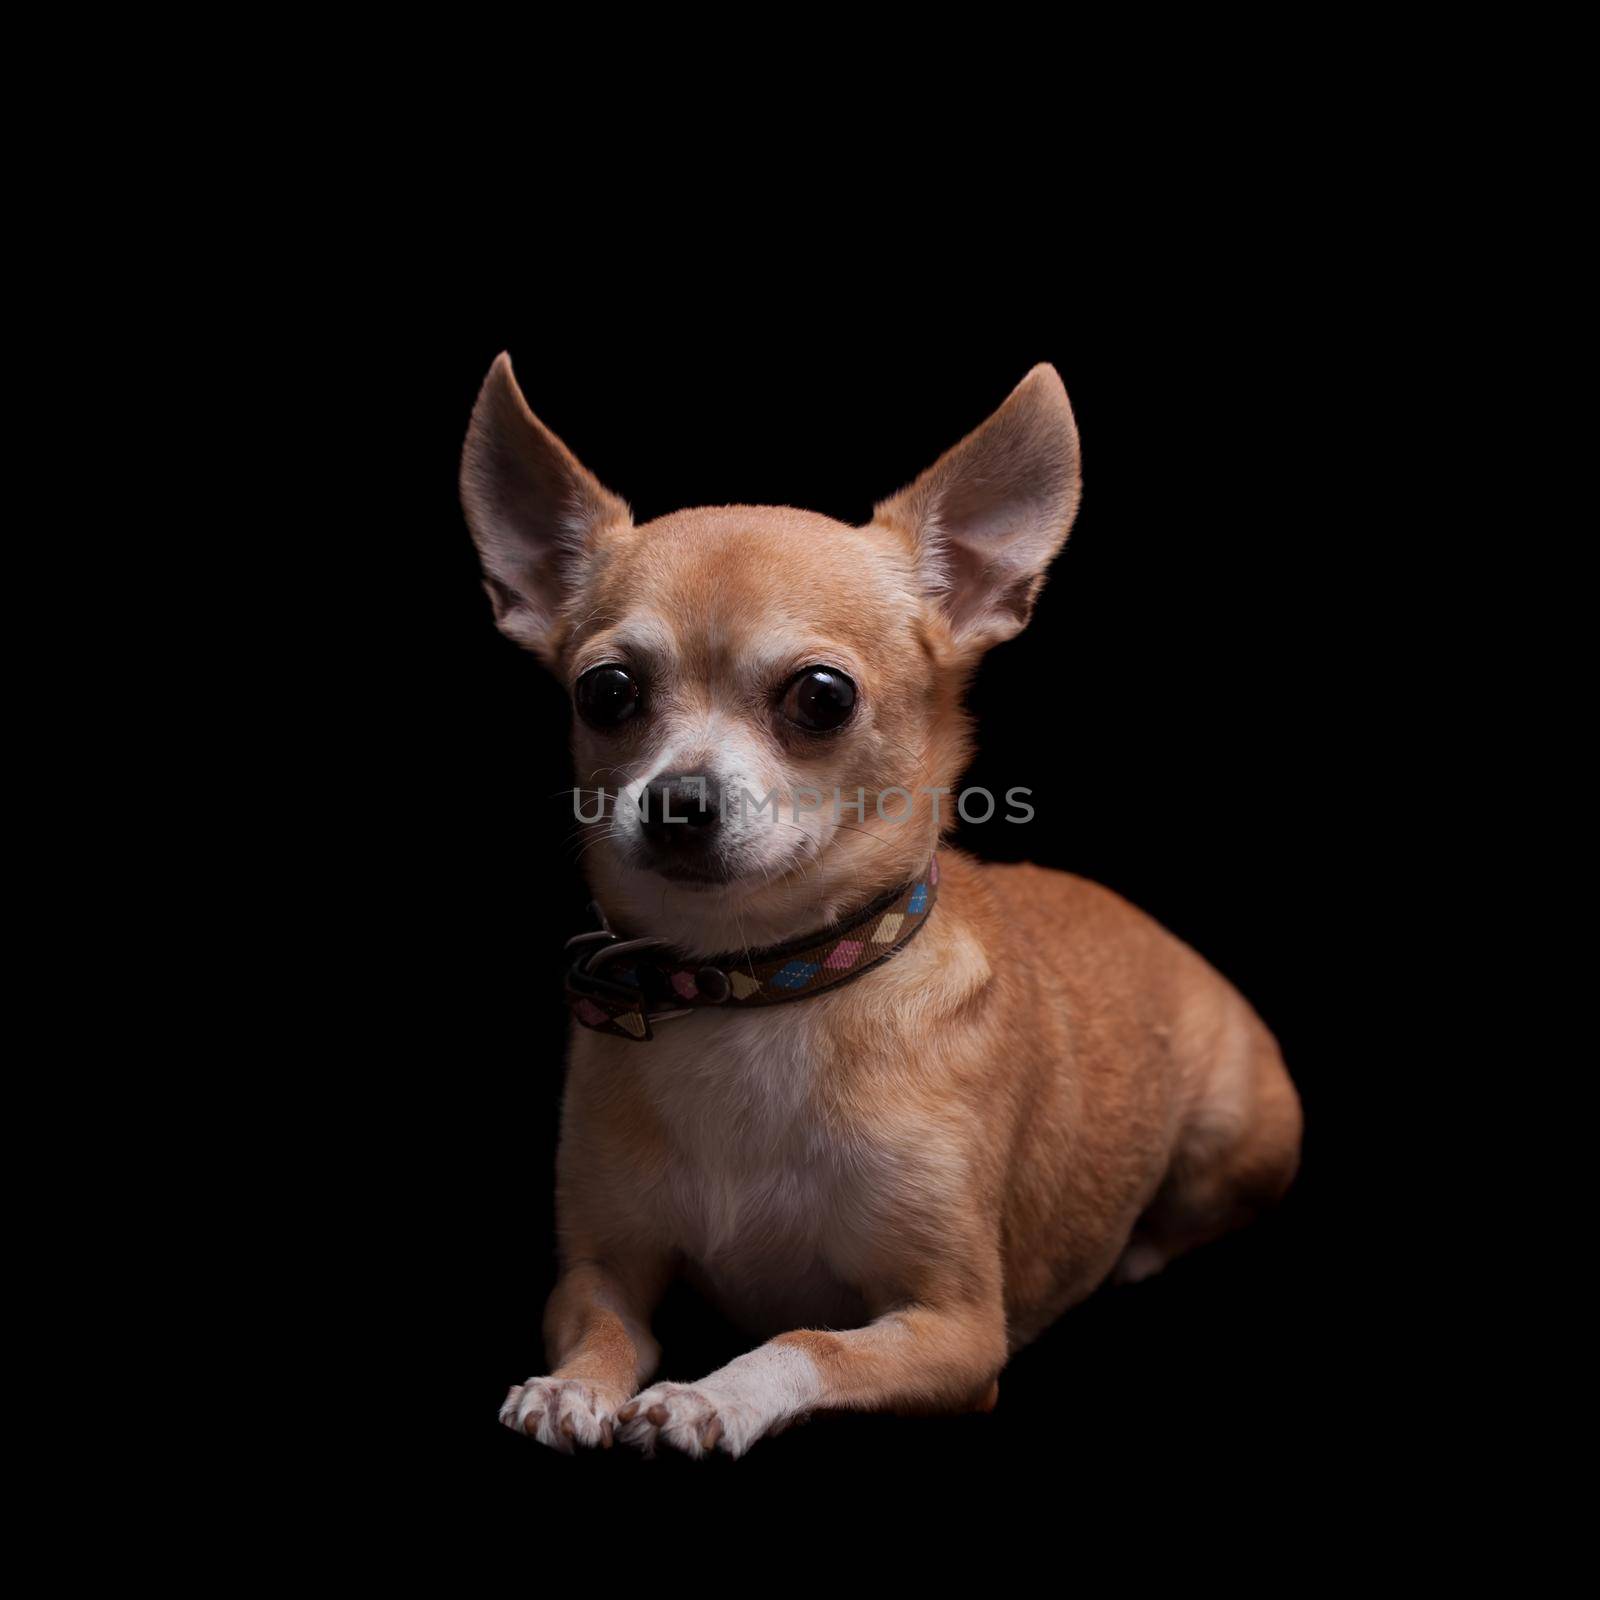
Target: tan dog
{"type": "Point", "coordinates": [909, 1175]}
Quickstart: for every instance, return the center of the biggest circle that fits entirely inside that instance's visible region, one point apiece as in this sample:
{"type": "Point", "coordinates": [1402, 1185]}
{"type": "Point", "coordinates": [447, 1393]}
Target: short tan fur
{"type": "Point", "coordinates": [903, 1180]}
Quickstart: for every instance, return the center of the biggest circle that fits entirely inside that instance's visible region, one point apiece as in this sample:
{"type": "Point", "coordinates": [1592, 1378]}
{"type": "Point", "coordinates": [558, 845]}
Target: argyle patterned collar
{"type": "Point", "coordinates": [620, 986]}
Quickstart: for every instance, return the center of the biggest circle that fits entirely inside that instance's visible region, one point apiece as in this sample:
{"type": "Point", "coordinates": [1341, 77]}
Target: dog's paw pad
{"type": "Point", "coordinates": [1138, 1262]}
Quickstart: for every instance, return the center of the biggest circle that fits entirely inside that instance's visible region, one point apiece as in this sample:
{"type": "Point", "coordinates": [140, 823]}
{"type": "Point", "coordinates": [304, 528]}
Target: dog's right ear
{"type": "Point", "coordinates": [535, 511]}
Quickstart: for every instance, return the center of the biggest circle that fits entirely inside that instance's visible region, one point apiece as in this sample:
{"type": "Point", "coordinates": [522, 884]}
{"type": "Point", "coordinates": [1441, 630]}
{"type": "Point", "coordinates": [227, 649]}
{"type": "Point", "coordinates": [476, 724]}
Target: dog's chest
{"type": "Point", "coordinates": [765, 1188]}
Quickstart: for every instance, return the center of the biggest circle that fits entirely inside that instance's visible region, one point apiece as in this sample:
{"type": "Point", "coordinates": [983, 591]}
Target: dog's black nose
{"type": "Point", "coordinates": [680, 812]}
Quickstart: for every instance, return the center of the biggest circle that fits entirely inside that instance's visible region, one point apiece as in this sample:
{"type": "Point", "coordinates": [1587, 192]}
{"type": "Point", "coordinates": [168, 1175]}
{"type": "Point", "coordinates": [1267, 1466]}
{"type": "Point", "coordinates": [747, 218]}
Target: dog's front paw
{"type": "Point", "coordinates": [689, 1417]}
{"type": "Point", "coordinates": [561, 1412]}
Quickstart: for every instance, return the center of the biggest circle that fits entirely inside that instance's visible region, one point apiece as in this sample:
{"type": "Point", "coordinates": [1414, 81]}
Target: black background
{"type": "Point", "coordinates": [1183, 705]}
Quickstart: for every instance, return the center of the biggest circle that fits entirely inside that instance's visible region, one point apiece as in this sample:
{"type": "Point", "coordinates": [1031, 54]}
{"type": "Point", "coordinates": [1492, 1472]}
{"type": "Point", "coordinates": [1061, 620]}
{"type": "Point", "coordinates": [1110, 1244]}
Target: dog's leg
{"type": "Point", "coordinates": [1235, 1160]}
{"type": "Point", "coordinates": [597, 1334]}
{"type": "Point", "coordinates": [934, 1356]}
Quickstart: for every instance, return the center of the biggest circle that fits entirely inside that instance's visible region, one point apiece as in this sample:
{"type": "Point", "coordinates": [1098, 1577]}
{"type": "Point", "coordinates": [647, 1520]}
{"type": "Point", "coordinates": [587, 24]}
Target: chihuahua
{"type": "Point", "coordinates": [892, 1109]}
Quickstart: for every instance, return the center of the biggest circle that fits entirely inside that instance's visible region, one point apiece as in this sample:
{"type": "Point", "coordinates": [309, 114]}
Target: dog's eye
{"type": "Point", "coordinates": [606, 696]}
{"type": "Point", "coordinates": [820, 699]}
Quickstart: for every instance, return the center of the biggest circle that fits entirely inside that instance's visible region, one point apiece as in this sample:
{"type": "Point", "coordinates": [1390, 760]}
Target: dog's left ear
{"type": "Point", "coordinates": [989, 515]}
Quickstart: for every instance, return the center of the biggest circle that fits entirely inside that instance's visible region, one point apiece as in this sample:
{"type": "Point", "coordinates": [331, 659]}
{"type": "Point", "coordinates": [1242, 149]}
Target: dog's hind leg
{"type": "Point", "coordinates": [1235, 1157]}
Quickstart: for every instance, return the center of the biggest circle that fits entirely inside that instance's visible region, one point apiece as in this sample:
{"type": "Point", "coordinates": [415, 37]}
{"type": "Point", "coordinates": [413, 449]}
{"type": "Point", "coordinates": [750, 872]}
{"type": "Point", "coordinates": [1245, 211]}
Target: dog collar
{"type": "Point", "coordinates": [621, 986]}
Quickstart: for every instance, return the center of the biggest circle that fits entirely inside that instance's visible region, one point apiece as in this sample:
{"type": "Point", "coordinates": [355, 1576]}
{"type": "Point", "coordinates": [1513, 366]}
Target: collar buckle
{"type": "Point", "coordinates": [610, 1005]}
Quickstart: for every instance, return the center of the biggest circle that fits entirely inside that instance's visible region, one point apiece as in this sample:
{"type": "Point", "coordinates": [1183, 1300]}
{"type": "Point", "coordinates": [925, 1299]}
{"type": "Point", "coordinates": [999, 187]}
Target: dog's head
{"type": "Point", "coordinates": [767, 700]}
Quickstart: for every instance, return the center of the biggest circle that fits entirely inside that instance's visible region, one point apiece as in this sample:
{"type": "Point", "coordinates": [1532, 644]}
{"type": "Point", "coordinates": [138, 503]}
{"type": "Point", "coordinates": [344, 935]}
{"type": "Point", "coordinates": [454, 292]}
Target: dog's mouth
{"type": "Point", "coordinates": [703, 875]}
{"type": "Point", "coordinates": [710, 867]}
